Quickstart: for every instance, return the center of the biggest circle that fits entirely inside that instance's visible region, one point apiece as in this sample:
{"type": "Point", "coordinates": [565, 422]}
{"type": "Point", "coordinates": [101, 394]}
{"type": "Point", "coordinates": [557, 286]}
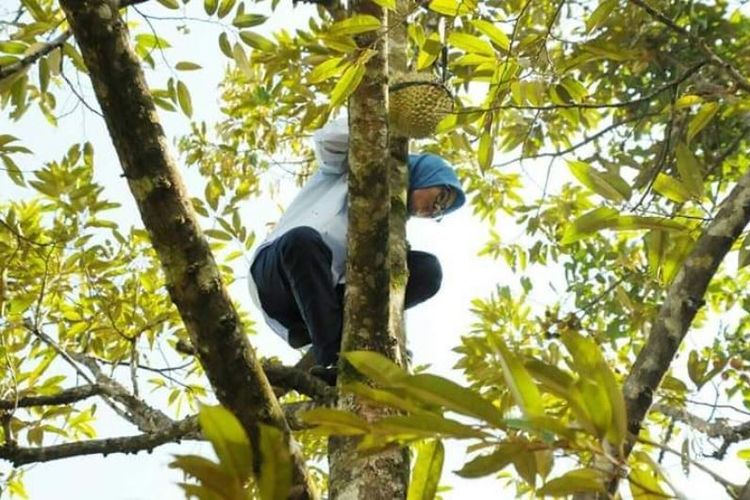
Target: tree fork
{"type": "Point", "coordinates": [192, 277]}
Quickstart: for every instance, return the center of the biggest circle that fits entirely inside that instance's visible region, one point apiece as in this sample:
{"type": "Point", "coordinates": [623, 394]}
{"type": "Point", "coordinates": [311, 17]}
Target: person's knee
{"type": "Point", "coordinates": [299, 239]}
{"type": "Point", "coordinates": [425, 277]}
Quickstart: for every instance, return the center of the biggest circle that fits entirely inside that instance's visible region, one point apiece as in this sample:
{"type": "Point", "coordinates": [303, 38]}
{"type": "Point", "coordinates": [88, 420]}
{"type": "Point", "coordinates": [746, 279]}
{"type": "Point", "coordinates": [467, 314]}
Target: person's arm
{"type": "Point", "coordinates": [332, 146]}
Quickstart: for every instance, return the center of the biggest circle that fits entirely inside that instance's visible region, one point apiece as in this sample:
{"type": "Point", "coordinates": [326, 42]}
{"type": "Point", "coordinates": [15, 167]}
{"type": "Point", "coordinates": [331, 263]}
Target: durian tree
{"type": "Point", "coordinates": [635, 114]}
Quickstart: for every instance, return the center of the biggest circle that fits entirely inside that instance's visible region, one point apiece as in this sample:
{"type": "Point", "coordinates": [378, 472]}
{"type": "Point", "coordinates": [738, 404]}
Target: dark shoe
{"type": "Point", "coordinates": [327, 374]}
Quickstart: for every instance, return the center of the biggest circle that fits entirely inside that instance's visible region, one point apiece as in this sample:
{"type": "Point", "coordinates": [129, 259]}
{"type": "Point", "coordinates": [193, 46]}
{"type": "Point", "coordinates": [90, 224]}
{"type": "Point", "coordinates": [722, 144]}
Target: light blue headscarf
{"type": "Point", "coordinates": [428, 170]}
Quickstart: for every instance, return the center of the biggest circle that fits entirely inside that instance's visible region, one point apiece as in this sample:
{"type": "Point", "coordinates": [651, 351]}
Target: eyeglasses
{"type": "Point", "coordinates": [442, 202]}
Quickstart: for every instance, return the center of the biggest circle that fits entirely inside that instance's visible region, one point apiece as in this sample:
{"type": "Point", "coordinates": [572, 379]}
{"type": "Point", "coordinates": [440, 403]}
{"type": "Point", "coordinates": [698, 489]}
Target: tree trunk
{"type": "Point", "coordinates": [373, 313]}
{"type": "Point", "coordinates": [192, 277]}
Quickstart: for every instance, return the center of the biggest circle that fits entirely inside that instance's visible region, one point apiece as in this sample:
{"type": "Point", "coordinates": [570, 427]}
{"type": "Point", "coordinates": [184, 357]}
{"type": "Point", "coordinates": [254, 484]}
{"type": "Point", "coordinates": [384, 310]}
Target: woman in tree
{"type": "Point", "coordinates": [297, 273]}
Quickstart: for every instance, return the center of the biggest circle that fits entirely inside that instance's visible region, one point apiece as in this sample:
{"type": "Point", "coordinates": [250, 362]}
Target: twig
{"type": "Point", "coordinates": [66, 396]}
{"type": "Point", "coordinates": [11, 69]}
{"type": "Point", "coordinates": [713, 58]}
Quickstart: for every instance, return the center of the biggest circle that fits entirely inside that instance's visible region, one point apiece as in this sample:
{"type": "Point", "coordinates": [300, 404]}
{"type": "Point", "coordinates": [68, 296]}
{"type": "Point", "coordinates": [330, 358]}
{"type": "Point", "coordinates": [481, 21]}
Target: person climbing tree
{"type": "Point", "coordinates": [297, 273]}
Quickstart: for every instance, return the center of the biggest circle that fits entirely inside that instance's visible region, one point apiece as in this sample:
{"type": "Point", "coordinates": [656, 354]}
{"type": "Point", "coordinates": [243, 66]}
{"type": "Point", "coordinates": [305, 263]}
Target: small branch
{"type": "Point", "coordinates": [572, 148]}
{"type": "Point", "coordinates": [712, 57]}
{"type": "Point", "coordinates": [730, 434]}
{"type": "Point", "coordinates": [64, 397]}
{"type": "Point", "coordinates": [184, 429]}
{"type": "Point", "coordinates": [730, 487]}
{"type": "Point", "coordinates": [23, 64]}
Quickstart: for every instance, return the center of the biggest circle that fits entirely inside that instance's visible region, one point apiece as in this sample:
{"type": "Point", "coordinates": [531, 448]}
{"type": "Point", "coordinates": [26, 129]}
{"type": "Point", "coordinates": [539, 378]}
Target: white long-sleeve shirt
{"type": "Point", "coordinates": [321, 204]}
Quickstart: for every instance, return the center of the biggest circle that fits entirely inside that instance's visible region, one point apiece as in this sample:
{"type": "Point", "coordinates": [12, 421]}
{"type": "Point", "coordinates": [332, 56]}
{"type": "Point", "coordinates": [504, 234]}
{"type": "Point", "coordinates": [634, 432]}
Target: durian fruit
{"type": "Point", "coordinates": [418, 101]}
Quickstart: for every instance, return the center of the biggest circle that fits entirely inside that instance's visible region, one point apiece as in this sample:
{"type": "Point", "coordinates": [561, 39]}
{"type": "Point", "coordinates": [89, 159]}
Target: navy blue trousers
{"type": "Point", "coordinates": [293, 277]}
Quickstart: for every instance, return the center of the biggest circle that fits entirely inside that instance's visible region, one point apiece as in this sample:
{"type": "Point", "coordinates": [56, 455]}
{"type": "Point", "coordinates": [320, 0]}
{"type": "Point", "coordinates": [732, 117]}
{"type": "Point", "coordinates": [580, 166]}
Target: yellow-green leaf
{"type": "Point", "coordinates": [170, 4]}
{"type": "Point", "coordinates": [225, 6]}
{"type": "Point", "coordinates": [522, 387]}
{"type": "Point", "coordinates": [701, 119]}
{"type": "Point", "coordinates": [183, 97]}
{"type": "Point", "coordinates": [671, 188]}
{"type": "Point", "coordinates": [210, 475]}
{"type": "Point", "coordinates": [336, 421]}
{"type": "Point", "coordinates": [276, 470]}
{"type": "Point", "coordinates": [228, 439]}
{"type": "Point", "coordinates": [210, 6]}
{"type": "Point", "coordinates": [595, 181]}
{"type": "Point", "coordinates": [486, 150]}
{"type": "Point", "coordinates": [494, 33]}
{"type": "Point", "coordinates": [376, 367]}
{"type": "Point", "coordinates": [656, 245]}
{"type": "Point", "coordinates": [325, 70]}
{"type": "Point", "coordinates": [471, 43]}
{"type": "Point", "coordinates": [743, 259]}
{"type": "Point", "coordinates": [589, 223]}
{"type": "Point", "coordinates": [496, 461]}
{"type": "Point", "coordinates": [257, 41]}
{"type": "Point", "coordinates": [187, 66]}
{"type": "Point", "coordinates": [688, 100]}
{"type": "Point", "coordinates": [355, 25]}
{"type": "Point", "coordinates": [249, 20]}
{"type": "Point", "coordinates": [427, 470]}
{"type": "Point", "coordinates": [386, 4]}
{"type": "Point", "coordinates": [690, 170]}
{"type": "Point", "coordinates": [429, 51]}
{"type": "Point", "coordinates": [576, 481]}
{"type": "Point", "coordinates": [348, 83]}
{"type": "Point", "coordinates": [453, 7]}
{"type": "Point", "coordinates": [425, 425]}
{"type": "Point", "coordinates": [225, 46]}
{"type": "Point", "coordinates": [600, 15]}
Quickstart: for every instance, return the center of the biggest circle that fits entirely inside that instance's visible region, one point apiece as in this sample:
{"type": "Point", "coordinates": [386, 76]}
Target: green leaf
{"type": "Point", "coordinates": [696, 368]}
{"type": "Point", "coordinates": [225, 6]}
{"type": "Point", "coordinates": [596, 181]}
{"type": "Point", "coordinates": [187, 66]}
{"type": "Point", "coordinates": [690, 170]}
{"type": "Point", "coordinates": [743, 257]}
{"type": "Point", "coordinates": [701, 119]}
{"type": "Point", "coordinates": [592, 366]}
{"type": "Point", "coordinates": [228, 439]}
{"type": "Point", "coordinates": [219, 235]}
{"type": "Point", "coordinates": [551, 377]}
{"type": "Point", "coordinates": [485, 151]}
{"type": "Point", "coordinates": [183, 97]}
{"type": "Point", "coordinates": [576, 481]}
{"type": "Point", "coordinates": [425, 425]}
{"type": "Point", "coordinates": [170, 4]}
{"type": "Point", "coordinates": [671, 188]}
{"type": "Point", "coordinates": [210, 475]}
{"type": "Point", "coordinates": [276, 470]}
{"type": "Point", "coordinates": [589, 223]}
{"type": "Point", "coordinates": [376, 367]}
{"type": "Point", "coordinates": [470, 43]}
{"type": "Point", "coordinates": [383, 397]}
{"type": "Point", "coordinates": [681, 244]}
{"type": "Point", "coordinates": [348, 83]}
{"type": "Point", "coordinates": [427, 470]}
{"type": "Point", "coordinates": [522, 387]}
{"type": "Point", "coordinates": [355, 25]}
{"type": "Point", "coordinates": [13, 171]}
{"type": "Point", "coordinates": [257, 41]}
{"type": "Point", "coordinates": [210, 6]}
{"type": "Point", "coordinates": [249, 20]}
{"type": "Point", "coordinates": [225, 46]}
{"type": "Point", "coordinates": [433, 389]}
{"type": "Point", "coordinates": [453, 7]}
{"type": "Point", "coordinates": [386, 4]}
{"type": "Point", "coordinates": [325, 70]}
{"type": "Point", "coordinates": [688, 100]}
{"type": "Point", "coordinates": [600, 15]}
{"type": "Point", "coordinates": [656, 244]}
{"type": "Point", "coordinates": [429, 51]}
{"type": "Point", "coordinates": [496, 461]}
{"type": "Point", "coordinates": [336, 421]}
{"type": "Point", "coordinates": [493, 32]}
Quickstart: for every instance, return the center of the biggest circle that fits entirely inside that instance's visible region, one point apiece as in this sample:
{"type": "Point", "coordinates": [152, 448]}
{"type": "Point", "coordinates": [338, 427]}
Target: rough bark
{"type": "Point", "coordinates": [192, 277]}
{"type": "Point", "coordinates": [382, 475]}
{"type": "Point", "coordinates": [683, 299]}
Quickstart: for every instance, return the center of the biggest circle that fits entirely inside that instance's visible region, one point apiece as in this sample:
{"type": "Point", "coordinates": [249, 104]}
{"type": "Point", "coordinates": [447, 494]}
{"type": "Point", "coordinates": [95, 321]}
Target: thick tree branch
{"type": "Point", "coordinates": [184, 429]}
{"type": "Point", "coordinates": [713, 58]}
{"type": "Point", "coordinates": [683, 299]}
{"type": "Point", "coordinates": [192, 276]}
{"type": "Point", "coordinates": [66, 396]}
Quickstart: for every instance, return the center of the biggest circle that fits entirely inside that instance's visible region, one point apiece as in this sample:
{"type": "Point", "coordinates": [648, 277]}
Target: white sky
{"type": "Point", "coordinates": [434, 327]}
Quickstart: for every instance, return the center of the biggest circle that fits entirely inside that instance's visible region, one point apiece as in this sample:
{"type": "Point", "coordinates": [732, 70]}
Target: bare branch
{"type": "Point", "coordinates": [66, 396]}
{"type": "Point", "coordinates": [713, 58]}
{"type": "Point", "coordinates": [175, 432]}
